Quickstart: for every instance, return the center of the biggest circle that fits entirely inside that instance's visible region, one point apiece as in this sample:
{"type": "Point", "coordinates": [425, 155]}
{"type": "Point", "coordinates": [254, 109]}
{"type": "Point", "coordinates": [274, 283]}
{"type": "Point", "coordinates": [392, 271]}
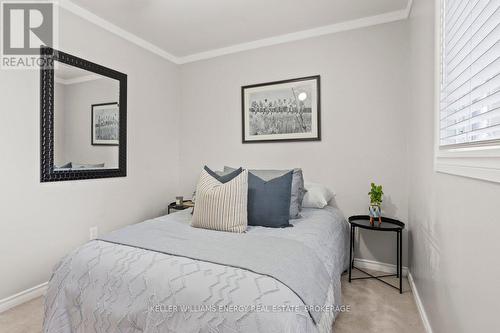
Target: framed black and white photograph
{"type": "Point", "coordinates": [287, 110]}
{"type": "Point", "coordinates": [105, 124]}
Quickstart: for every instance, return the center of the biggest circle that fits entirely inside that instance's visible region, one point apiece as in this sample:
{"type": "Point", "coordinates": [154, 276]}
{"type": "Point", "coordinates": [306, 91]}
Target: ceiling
{"type": "Point", "coordinates": [186, 27]}
{"type": "Point", "coordinates": [67, 72]}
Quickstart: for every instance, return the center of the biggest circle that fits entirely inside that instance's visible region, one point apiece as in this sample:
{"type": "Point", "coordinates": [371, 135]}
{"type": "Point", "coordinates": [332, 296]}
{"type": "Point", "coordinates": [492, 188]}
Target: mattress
{"type": "Point", "coordinates": [109, 287]}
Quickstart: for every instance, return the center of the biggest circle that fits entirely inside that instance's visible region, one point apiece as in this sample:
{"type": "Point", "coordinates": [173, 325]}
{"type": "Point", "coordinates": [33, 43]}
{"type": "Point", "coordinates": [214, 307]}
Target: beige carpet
{"type": "Point", "coordinates": [374, 307]}
{"type": "Point", "coordinates": [378, 308]}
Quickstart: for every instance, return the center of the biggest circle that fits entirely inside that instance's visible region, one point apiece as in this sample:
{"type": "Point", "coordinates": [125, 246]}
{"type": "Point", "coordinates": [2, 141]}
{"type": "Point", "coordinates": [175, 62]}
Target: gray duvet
{"type": "Point", "coordinates": [165, 276]}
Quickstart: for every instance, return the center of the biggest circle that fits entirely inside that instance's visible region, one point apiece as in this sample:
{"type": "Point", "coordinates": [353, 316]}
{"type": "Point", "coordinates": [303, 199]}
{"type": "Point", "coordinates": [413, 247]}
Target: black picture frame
{"type": "Point", "coordinates": [48, 57]}
{"type": "Point", "coordinates": [92, 140]}
{"type": "Point", "coordinates": [317, 137]}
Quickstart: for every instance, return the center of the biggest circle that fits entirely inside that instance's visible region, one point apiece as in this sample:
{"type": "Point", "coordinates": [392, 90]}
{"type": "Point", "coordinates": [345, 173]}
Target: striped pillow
{"type": "Point", "coordinates": [221, 207]}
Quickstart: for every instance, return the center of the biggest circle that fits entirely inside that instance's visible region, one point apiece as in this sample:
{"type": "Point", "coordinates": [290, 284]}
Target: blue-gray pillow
{"type": "Point", "coordinates": [223, 178]}
{"type": "Point", "coordinates": [298, 190]}
{"type": "Point", "coordinates": [269, 201]}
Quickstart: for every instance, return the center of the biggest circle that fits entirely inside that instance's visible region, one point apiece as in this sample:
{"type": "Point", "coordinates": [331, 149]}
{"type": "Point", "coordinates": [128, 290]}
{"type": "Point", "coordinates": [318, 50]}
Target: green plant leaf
{"type": "Point", "coordinates": [376, 194]}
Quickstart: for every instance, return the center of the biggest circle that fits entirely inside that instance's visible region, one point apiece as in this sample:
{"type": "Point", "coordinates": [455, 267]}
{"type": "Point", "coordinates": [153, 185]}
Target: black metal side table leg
{"type": "Point", "coordinates": [397, 253]}
{"type": "Point", "coordinates": [400, 262]}
{"type": "Point", "coordinates": [353, 245]}
{"type": "Point", "coordinates": [350, 251]}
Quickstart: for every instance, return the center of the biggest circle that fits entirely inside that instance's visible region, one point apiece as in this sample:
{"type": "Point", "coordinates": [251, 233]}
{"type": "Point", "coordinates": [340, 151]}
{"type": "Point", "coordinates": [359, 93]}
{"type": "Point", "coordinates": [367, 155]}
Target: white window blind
{"type": "Point", "coordinates": [470, 73]}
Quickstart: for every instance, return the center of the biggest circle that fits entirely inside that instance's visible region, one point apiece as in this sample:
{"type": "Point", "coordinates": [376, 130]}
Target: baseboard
{"type": "Point", "coordinates": [420, 306]}
{"type": "Point", "coordinates": [23, 297]}
{"type": "Point", "coordinates": [378, 266]}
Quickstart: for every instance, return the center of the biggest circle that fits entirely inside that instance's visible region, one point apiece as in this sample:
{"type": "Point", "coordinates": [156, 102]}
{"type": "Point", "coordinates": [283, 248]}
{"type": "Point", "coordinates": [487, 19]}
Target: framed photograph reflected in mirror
{"type": "Point", "coordinates": [105, 124]}
{"type": "Point", "coordinates": [287, 110]}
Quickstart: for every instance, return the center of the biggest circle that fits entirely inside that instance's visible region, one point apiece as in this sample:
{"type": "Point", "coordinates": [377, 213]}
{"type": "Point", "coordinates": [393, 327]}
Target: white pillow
{"type": "Point", "coordinates": [219, 206]}
{"type": "Point", "coordinates": [317, 195]}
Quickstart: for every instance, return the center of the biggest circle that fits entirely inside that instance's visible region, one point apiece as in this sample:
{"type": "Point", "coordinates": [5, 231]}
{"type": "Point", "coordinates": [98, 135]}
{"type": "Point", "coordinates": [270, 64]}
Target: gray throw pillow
{"type": "Point", "coordinates": [88, 166]}
{"type": "Point", "coordinates": [223, 177]}
{"type": "Point", "coordinates": [65, 166]}
{"type": "Point", "coordinates": [220, 172]}
{"type": "Point", "coordinates": [297, 192]}
{"type": "Point", "coordinates": [269, 201]}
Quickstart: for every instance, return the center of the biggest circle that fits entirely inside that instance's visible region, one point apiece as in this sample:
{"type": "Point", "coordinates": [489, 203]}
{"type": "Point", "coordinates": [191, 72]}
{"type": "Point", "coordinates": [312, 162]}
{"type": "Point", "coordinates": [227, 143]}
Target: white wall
{"type": "Point", "coordinates": [364, 87]}
{"type": "Point", "coordinates": [454, 221]}
{"type": "Point", "coordinates": [40, 223]}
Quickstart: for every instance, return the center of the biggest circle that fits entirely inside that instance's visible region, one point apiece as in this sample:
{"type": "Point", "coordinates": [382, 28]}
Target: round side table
{"type": "Point", "coordinates": [172, 206]}
{"type": "Point", "coordinates": [388, 225]}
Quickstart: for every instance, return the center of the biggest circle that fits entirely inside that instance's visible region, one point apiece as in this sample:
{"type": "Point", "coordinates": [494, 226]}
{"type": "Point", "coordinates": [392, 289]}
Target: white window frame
{"type": "Point", "coordinates": [478, 161]}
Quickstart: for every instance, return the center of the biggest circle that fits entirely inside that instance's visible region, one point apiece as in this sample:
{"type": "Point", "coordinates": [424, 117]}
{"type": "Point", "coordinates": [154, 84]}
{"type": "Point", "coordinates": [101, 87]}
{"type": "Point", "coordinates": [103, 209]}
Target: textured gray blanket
{"type": "Point", "coordinates": [107, 287]}
{"type": "Point", "coordinates": [288, 261]}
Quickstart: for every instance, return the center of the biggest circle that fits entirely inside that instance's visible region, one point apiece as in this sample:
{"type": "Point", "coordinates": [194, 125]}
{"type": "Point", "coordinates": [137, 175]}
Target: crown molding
{"type": "Point", "coordinates": [81, 79]}
{"type": "Point", "coordinates": [91, 17]}
{"type": "Point", "coordinates": [364, 22]}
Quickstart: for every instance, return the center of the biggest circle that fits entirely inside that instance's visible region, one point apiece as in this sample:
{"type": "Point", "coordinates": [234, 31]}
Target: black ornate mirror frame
{"type": "Point", "coordinates": [47, 174]}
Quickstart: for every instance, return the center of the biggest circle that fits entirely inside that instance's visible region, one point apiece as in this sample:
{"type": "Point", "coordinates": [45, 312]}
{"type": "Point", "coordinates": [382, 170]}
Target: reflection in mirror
{"type": "Point", "coordinates": [86, 119]}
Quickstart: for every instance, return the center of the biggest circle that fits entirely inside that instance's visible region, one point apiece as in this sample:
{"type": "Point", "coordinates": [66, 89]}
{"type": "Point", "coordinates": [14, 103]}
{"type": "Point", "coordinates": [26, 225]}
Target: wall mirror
{"type": "Point", "coordinates": [83, 118]}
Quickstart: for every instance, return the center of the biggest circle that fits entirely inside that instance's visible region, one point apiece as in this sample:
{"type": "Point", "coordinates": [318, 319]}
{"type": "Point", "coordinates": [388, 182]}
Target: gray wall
{"type": "Point", "coordinates": [59, 120]}
{"type": "Point", "coordinates": [40, 223]}
{"type": "Point", "coordinates": [78, 123]}
{"type": "Point", "coordinates": [454, 220]}
{"type": "Point", "coordinates": [364, 87]}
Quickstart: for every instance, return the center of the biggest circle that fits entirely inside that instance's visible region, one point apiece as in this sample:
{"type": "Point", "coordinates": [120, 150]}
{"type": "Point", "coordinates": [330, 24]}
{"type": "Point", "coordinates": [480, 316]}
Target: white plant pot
{"type": "Point", "coordinates": [375, 211]}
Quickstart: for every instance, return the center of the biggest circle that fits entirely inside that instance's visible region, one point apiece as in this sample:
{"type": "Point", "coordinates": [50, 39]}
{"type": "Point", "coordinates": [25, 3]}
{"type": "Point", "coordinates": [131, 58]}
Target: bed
{"type": "Point", "coordinates": [156, 277]}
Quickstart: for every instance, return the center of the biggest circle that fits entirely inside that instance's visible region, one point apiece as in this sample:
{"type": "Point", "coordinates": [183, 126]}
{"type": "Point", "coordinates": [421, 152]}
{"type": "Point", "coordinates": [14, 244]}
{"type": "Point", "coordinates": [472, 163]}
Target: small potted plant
{"type": "Point", "coordinates": [375, 194]}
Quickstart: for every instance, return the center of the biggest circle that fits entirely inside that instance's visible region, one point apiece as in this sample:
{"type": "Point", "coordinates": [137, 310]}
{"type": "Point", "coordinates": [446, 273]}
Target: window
{"type": "Point", "coordinates": [469, 96]}
{"type": "Point", "coordinates": [470, 82]}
